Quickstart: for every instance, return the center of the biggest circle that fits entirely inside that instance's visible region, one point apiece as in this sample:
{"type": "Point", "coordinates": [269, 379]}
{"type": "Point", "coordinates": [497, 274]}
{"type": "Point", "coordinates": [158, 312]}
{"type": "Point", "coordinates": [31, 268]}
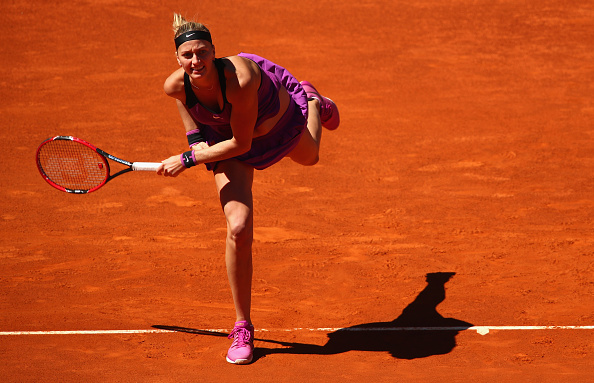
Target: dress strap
{"type": "Point", "coordinates": [222, 80]}
{"type": "Point", "coordinates": [191, 99]}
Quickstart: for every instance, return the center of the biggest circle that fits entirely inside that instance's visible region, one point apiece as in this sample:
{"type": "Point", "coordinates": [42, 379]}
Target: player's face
{"type": "Point", "coordinates": [196, 57]}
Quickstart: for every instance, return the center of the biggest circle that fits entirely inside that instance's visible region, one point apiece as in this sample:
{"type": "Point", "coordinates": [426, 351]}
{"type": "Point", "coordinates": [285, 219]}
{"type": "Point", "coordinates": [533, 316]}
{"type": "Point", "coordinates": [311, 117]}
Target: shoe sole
{"type": "Point", "coordinates": [335, 120]}
{"type": "Point", "coordinates": [240, 361]}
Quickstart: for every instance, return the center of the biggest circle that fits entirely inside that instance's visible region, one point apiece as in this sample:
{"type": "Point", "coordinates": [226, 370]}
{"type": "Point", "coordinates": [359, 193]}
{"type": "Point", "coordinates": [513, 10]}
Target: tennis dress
{"type": "Point", "coordinates": [270, 148]}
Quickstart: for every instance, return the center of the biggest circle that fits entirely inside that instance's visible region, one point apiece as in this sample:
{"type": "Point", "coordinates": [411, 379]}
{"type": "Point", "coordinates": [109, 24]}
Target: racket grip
{"type": "Point", "coordinates": [145, 166]}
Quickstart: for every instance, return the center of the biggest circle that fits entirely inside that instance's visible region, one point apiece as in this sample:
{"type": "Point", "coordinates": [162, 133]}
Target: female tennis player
{"type": "Point", "coordinates": [240, 113]}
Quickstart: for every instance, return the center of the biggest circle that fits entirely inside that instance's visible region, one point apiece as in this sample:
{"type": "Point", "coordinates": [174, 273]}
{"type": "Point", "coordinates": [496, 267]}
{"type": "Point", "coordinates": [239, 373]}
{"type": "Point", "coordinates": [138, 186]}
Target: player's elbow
{"type": "Point", "coordinates": [242, 147]}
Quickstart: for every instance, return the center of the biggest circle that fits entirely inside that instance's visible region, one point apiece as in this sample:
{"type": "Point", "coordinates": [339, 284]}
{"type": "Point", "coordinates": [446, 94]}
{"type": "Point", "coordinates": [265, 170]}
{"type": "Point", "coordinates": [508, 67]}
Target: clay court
{"type": "Point", "coordinates": [444, 236]}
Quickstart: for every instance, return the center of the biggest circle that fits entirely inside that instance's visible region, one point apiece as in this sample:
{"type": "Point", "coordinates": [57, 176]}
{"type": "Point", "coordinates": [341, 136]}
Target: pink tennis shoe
{"type": "Point", "coordinates": [242, 349]}
{"type": "Point", "coordinates": [328, 109]}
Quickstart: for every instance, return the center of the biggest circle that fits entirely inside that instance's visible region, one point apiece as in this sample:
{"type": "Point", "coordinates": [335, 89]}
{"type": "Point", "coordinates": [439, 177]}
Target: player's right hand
{"type": "Point", "coordinates": [171, 167]}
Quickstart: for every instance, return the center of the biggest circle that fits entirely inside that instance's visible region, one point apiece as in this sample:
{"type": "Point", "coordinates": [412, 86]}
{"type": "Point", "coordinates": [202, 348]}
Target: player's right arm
{"type": "Point", "coordinates": [174, 87]}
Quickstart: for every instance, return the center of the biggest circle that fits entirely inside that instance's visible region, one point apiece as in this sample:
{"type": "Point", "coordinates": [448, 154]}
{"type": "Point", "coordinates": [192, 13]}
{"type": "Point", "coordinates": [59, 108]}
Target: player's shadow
{"type": "Point", "coordinates": [420, 331]}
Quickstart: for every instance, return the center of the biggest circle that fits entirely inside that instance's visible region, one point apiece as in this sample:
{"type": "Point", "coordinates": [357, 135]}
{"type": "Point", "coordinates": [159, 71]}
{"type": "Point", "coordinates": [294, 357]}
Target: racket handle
{"type": "Point", "coordinates": [145, 166]}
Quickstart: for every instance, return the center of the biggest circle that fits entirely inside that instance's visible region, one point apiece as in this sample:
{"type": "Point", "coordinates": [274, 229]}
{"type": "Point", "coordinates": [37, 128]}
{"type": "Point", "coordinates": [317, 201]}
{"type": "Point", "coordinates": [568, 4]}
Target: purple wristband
{"type": "Point", "coordinates": [194, 137]}
{"type": "Point", "coordinates": [188, 159]}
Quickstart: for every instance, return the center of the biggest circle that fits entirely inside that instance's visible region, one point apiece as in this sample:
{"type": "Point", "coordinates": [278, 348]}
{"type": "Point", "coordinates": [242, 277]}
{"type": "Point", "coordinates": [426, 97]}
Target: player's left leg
{"type": "Point", "coordinates": [234, 181]}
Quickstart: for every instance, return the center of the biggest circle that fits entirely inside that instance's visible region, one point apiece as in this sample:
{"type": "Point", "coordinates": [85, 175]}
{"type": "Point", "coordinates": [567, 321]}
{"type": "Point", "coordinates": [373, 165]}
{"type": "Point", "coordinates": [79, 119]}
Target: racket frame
{"type": "Point", "coordinates": [103, 154]}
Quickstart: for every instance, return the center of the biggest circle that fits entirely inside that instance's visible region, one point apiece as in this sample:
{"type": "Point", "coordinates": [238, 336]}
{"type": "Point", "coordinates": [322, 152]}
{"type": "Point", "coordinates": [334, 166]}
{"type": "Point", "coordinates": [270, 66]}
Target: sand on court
{"type": "Point", "coordinates": [457, 192]}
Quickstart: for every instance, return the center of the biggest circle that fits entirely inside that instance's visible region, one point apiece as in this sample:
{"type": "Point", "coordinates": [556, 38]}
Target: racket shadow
{"type": "Point", "coordinates": [216, 334]}
{"type": "Point", "coordinates": [191, 330]}
{"type": "Point", "coordinates": [419, 332]}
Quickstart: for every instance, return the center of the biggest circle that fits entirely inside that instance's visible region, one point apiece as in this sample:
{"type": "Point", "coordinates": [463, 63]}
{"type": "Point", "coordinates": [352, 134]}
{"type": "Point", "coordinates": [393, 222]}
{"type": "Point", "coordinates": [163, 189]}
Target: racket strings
{"type": "Point", "coordinates": [72, 165]}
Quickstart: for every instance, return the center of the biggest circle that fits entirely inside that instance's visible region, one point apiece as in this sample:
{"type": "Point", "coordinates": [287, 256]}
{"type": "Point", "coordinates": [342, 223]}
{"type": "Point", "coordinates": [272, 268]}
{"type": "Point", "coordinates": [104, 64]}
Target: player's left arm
{"type": "Point", "coordinates": [242, 94]}
{"type": "Point", "coordinates": [242, 81]}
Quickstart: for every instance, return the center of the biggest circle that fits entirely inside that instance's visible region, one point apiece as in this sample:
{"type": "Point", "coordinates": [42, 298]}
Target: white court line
{"type": "Point", "coordinates": [482, 330]}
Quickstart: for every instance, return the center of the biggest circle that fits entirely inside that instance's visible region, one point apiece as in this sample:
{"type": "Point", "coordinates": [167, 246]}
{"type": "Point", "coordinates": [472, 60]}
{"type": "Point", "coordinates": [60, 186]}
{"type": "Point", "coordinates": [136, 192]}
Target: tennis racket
{"type": "Point", "coordinates": [73, 165]}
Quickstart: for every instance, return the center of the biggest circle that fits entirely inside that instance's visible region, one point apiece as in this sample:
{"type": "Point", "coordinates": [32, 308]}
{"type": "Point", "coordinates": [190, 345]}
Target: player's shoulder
{"type": "Point", "coordinates": [174, 84]}
{"type": "Point", "coordinates": [241, 63]}
{"type": "Point", "coordinates": [243, 73]}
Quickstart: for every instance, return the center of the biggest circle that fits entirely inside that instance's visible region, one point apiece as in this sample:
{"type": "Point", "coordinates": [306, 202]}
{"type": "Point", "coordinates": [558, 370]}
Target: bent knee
{"type": "Point", "coordinates": [312, 161]}
{"type": "Point", "coordinates": [309, 160]}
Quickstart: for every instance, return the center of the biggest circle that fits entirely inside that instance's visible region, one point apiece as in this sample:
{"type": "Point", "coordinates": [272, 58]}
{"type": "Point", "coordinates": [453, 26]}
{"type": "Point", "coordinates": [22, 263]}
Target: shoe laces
{"type": "Point", "coordinates": [325, 110]}
{"type": "Point", "coordinates": [242, 335]}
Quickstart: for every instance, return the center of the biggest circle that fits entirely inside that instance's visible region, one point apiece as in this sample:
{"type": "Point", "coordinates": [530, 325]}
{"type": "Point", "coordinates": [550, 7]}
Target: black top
{"type": "Point", "coordinates": [191, 99]}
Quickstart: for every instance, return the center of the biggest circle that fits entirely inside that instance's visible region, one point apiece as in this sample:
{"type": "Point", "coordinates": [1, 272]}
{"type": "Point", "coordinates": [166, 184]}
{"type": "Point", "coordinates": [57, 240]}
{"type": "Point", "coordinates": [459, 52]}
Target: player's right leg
{"type": "Point", "coordinates": [329, 116]}
{"type": "Point", "coordinates": [322, 111]}
{"type": "Point", "coordinates": [307, 151]}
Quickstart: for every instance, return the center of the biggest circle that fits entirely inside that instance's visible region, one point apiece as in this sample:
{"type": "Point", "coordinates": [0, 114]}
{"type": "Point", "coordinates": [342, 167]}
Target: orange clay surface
{"type": "Point", "coordinates": [466, 146]}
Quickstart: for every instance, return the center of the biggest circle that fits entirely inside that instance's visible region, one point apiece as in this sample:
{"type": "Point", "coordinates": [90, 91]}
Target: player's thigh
{"type": "Point", "coordinates": [234, 181]}
{"type": "Point", "coordinates": [306, 152]}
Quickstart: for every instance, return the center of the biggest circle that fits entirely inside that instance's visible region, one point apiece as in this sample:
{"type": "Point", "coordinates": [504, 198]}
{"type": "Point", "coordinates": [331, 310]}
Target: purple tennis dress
{"type": "Point", "coordinates": [270, 148]}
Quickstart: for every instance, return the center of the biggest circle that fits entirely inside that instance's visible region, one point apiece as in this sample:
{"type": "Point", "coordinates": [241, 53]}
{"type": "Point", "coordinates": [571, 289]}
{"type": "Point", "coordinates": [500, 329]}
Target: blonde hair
{"type": "Point", "coordinates": [181, 25]}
